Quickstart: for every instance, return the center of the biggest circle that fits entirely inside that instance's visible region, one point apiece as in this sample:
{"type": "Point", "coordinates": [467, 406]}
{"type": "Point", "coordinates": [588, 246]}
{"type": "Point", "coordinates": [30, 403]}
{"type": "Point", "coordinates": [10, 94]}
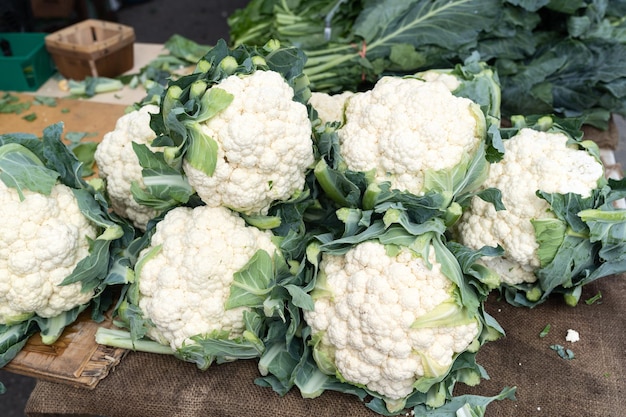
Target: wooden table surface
{"type": "Point", "coordinates": [77, 115]}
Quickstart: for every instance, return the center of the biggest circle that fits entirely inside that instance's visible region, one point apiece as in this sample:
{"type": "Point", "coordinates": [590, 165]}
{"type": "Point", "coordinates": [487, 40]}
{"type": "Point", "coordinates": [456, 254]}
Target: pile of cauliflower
{"type": "Point", "coordinates": [381, 314]}
{"type": "Point", "coordinates": [346, 241]}
{"type": "Point", "coordinates": [267, 147]}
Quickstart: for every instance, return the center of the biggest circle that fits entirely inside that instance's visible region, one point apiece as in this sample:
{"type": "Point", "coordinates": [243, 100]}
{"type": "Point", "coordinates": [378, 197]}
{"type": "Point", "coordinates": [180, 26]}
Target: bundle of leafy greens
{"type": "Point", "coordinates": [552, 56]}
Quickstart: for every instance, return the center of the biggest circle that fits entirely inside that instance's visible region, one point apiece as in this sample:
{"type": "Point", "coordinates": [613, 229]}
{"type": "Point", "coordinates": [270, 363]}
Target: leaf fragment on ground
{"type": "Point", "coordinates": [563, 352]}
{"type": "Point", "coordinates": [46, 101]}
{"type": "Point", "coordinates": [30, 117]}
{"type": "Point", "coordinates": [10, 103]}
{"type": "Point", "coordinates": [595, 299]}
{"type": "Point", "coordinates": [545, 331]}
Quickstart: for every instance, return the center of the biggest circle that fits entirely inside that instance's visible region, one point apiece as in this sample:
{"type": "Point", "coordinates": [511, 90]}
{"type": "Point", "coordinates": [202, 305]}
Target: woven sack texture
{"type": "Point", "coordinates": [592, 384]}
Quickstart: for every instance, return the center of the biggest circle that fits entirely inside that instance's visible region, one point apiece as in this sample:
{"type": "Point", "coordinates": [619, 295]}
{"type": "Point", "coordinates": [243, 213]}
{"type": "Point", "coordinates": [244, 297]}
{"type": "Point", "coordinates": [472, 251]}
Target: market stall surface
{"type": "Point", "coordinates": [153, 21]}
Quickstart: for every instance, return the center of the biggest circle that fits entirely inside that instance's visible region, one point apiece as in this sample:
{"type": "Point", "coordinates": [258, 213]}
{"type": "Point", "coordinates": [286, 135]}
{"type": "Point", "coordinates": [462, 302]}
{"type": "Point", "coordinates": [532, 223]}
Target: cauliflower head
{"type": "Point", "coordinates": [447, 79]}
{"type": "Point", "coordinates": [42, 239]}
{"type": "Point", "coordinates": [367, 313]}
{"type": "Point", "coordinates": [187, 270]}
{"type": "Point", "coordinates": [533, 161]}
{"type": "Point", "coordinates": [264, 145]}
{"type": "Point", "coordinates": [404, 127]}
{"type": "Point", "coordinates": [119, 165]}
{"type": "Point", "coordinates": [330, 107]}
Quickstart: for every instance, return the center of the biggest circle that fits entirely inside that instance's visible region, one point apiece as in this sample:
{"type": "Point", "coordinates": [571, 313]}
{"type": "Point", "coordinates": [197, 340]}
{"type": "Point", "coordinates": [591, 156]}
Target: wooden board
{"type": "Point", "coordinates": [75, 359]}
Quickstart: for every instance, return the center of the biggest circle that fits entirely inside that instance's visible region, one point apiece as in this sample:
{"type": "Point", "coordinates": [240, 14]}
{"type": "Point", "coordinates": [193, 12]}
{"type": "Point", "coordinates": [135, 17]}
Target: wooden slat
{"type": "Point", "coordinates": [75, 358]}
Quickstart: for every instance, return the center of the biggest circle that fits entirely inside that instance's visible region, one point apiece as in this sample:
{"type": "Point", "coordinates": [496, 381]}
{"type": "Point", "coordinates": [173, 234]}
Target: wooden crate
{"type": "Point", "coordinates": [92, 48]}
{"type": "Point", "coordinates": [30, 64]}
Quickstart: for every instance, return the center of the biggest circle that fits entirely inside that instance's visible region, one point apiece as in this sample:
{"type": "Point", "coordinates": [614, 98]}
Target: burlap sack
{"type": "Point", "coordinates": [591, 385]}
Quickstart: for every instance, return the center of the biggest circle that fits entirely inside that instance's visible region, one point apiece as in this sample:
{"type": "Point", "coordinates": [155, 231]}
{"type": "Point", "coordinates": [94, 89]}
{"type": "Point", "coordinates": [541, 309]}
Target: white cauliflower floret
{"type": "Point", "coordinates": [264, 145]}
{"type": "Point", "coordinates": [533, 161]}
{"type": "Point", "coordinates": [405, 127]}
{"type": "Point", "coordinates": [184, 286]}
{"type": "Point", "coordinates": [572, 336]}
{"type": "Point", "coordinates": [365, 313]}
{"type": "Point", "coordinates": [449, 80]}
{"type": "Point", "coordinates": [42, 239]}
{"type": "Point", "coordinates": [330, 107]}
{"type": "Point", "coordinates": [118, 164]}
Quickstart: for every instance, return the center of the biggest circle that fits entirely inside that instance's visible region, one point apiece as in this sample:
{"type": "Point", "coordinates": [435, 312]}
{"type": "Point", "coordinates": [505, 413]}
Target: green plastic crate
{"type": "Point", "coordinates": [30, 64]}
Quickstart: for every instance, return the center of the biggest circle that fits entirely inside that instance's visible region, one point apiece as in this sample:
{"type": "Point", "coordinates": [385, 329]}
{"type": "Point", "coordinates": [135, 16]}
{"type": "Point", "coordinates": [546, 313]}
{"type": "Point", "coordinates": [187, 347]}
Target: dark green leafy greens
{"type": "Point", "coordinates": [364, 39]}
{"type": "Point", "coordinates": [552, 56]}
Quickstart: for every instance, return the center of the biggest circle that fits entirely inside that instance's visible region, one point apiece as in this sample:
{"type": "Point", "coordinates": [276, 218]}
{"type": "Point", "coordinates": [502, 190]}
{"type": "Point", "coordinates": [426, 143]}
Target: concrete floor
{"type": "Point", "coordinates": [203, 21]}
{"type": "Point", "coordinates": [154, 21]}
